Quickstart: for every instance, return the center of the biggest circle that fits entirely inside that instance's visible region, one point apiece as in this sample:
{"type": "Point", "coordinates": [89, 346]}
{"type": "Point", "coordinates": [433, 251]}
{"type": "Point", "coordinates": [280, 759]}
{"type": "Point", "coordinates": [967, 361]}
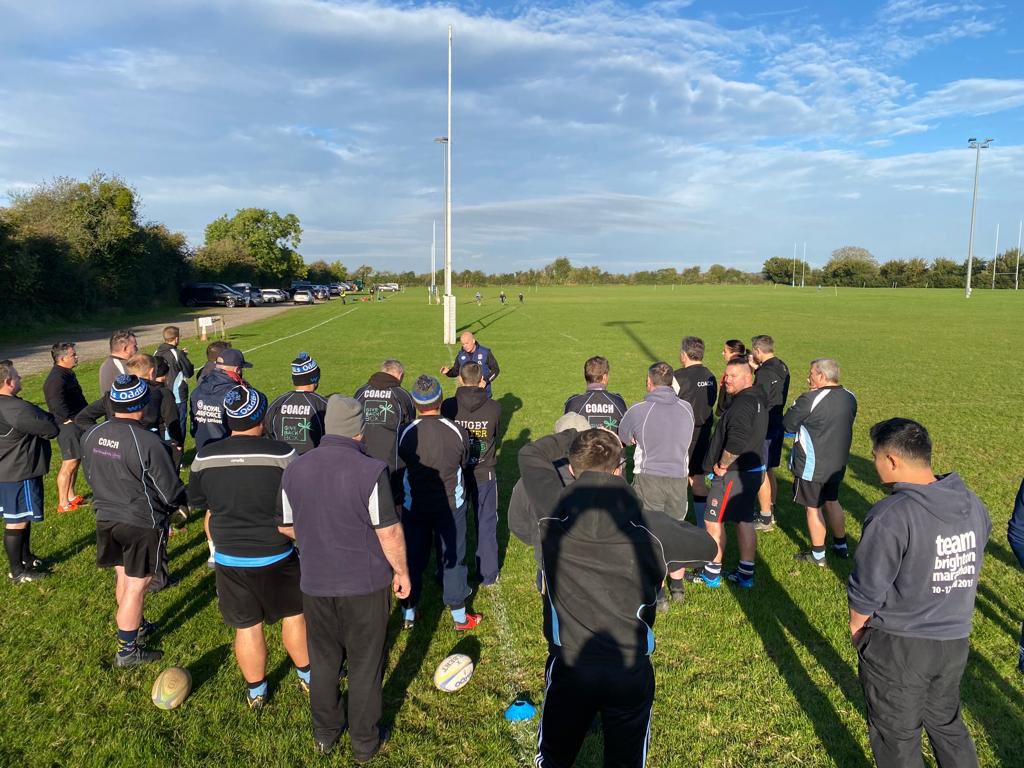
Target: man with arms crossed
{"type": "Point", "coordinates": [353, 558]}
{"type": "Point", "coordinates": [239, 480]}
{"type": "Point", "coordinates": [123, 345]}
{"type": "Point", "coordinates": [135, 487]}
{"type": "Point", "coordinates": [597, 405]}
{"type": "Point", "coordinates": [734, 460]}
{"type": "Point", "coordinates": [822, 420]}
{"type": "Point", "coordinates": [64, 399]}
{"type": "Point", "coordinates": [661, 427]}
{"type": "Point", "coordinates": [25, 434]}
{"type": "Point", "coordinates": [772, 378]}
{"type": "Point", "coordinates": [911, 597]}
{"type": "Point", "coordinates": [697, 385]}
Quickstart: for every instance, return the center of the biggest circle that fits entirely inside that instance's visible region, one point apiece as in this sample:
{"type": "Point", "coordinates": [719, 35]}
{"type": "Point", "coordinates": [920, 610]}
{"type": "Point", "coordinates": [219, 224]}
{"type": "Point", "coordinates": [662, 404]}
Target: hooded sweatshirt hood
{"type": "Point", "coordinates": [919, 560]}
{"type": "Point", "coordinates": [383, 380]}
{"type": "Point", "coordinates": [479, 415]}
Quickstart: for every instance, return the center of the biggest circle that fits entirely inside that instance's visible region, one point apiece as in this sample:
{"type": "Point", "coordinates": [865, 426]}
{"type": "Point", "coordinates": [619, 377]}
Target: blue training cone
{"type": "Point", "coordinates": [520, 710]}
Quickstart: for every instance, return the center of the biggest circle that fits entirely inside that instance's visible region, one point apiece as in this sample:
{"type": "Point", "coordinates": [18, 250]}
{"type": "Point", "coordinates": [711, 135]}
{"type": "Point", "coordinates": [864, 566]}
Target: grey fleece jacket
{"type": "Point", "coordinates": [662, 426]}
{"type": "Point", "coordinates": [919, 560]}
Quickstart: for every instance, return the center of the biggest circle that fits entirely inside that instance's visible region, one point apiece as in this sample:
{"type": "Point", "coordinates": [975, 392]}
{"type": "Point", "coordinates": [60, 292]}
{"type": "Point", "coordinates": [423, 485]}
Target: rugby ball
{"type": "Point", "coordinates": [171, 687]}
{"type": "Point", "coordinates": [453, 673]}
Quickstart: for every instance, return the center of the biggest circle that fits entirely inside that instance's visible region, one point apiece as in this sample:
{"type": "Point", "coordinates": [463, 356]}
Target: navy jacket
{"type": "Point", "coordinates": [207, 407]}
{"type": "Point", "coordinates": [482, 356]}
{"type": "Point", "coordinates": [1016, 528]}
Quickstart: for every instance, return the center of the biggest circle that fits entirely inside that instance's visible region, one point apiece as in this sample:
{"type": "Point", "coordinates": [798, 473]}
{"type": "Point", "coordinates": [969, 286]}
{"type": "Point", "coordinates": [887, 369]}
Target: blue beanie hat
{"type": "Point", "coordinates": [244, 407]}
{"type": "Point", "coordinates": [129, 394]}
{"type": "Point", "coordinates": [426, 391]}
{"type": "Point", "coordinates": [305, 370]}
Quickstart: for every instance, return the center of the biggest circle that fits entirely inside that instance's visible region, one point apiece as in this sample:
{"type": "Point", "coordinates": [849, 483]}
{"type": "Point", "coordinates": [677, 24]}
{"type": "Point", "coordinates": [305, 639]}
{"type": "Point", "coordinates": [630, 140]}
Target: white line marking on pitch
{"type": "Point", "coordinates": [298, 333]}
{"type": "Point", "coordinates": [571, 337]}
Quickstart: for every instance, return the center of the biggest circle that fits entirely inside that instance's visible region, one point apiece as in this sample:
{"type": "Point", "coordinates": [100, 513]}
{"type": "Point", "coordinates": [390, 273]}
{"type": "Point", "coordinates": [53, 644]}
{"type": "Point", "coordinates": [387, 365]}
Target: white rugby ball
{"type": "Point", "coordinates": [453, 673]}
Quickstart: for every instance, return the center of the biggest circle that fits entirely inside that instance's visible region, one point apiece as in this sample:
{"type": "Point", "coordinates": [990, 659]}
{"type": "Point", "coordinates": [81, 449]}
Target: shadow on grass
{"type": "Point", "coordinates": [626, 326]}
{"type": "Point", "coordinates": [997, 707]}
{"type": "Point", "coordinates": [207, 666]}
{"type": "Point", "coordinates": [776, 618]}
{"type": "Point", "coordinates": [508, 466]}
{"type": "Point", "coordinates": [409, 665]}
{"type": "Point", "coordinates": [478, 325]}
{"type": "Point", "coordinates": [70, 550]}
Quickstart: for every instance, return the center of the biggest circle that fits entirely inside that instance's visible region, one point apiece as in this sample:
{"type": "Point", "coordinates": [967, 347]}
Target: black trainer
{"type": "Point", "coordinates": [807, 556]}
{"type": "Point", "coordinates": [843, 553]}
{"type": "Point", "coordinates": [146, 630]}
{"type": "Point", "coordinates": [139, 656]}
{"type": "Point", "coordinates": [26, 576]}
{"type": "Point", "coordinates": [34, 562]}
{"type": "Point", "coordinates": [662, 601]}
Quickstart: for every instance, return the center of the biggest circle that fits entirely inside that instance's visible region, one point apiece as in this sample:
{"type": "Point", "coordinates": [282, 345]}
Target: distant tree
{"type": "Point", "coordinates": [225, 261]}
{"type": "Point", "coordinates": [268, 237]}
{"type": "Point", "coordinates": [779, 270]}
{"type": "Point", "coordinates": [319, 273]}
{"type": "Point", "coordinates": [690, 275]}
{"type": "Point", "coordinates": [946, 273]}
{"type": "Point", "coordinates": [905, 273]}
{"type": "Point", "coordinates": [851, 266]}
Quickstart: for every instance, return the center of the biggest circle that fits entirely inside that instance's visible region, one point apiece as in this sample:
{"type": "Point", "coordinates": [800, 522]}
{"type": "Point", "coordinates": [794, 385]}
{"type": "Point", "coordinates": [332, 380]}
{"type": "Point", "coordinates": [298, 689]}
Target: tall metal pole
{"type": "Point", "coordinates": [449, 300]}
{"type": "Point", "coordinates": [995, 259]}
{"type": "Point", "coordinates": [803, 265]}
{"type": "Point", "coordinates": [977, 146]}
{"type": "Point", "coordinates": [1016, 271]}
{"type": "Point", "coordinates": [433, 262]}
{"type": "Point", "coordinates": [792, 281]}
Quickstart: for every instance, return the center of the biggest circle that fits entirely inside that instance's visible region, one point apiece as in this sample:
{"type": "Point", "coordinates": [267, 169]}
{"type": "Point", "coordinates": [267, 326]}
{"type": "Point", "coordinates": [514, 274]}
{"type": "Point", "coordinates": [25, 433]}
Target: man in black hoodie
{"type": "Point", "coordinates": [180, 370]}
{"type": "Point", "coordinates": [479, 415]}
{"type": "Point", "coordinates": [772, 379]}
{"type": "Point", "coordinates": [64, 399]}
{"type": "Point", "coordinates": [387, 409]}
{"type": "Point", "coordinates": [911, 597]}
{"type": "Point", "coordinates": [604, 560]}
{"type": "Point", "coordinates": [25, 434]}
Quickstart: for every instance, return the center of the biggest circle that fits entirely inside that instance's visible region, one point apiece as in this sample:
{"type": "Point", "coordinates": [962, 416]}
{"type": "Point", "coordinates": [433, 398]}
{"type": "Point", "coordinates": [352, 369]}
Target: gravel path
{"type": "Point", "coordinates": [94, 343]}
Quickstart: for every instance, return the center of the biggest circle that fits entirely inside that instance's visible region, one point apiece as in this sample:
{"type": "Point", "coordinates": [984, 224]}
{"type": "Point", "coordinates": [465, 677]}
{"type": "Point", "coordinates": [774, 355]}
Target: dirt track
{"type": "Point", "coordinates": [93, 343]}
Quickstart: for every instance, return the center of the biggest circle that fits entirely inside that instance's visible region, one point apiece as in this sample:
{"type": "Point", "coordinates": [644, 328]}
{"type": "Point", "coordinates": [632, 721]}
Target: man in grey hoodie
{"type": "Point", "coordinates": [911, 597]}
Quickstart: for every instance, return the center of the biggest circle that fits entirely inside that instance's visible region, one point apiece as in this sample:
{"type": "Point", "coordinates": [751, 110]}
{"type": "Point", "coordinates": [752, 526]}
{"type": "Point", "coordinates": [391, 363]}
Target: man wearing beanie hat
{"type": "Point", "coordinates": [135, 487]}
{"type": "Point", "coordinates": [436, 451]}
{"type": "Point", "coordinates": [353, 558]}
{"type": "Point", "coordinates": [387, 409]}
{"type": "Point", "coordinates": [238, 479]}
{"type": "Point", "coordinates": [297, 417]}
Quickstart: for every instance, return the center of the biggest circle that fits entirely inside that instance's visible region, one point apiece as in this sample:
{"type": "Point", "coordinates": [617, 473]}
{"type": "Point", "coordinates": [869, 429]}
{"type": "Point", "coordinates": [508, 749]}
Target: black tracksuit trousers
{"type": "Point", "coordinates": [576, 694]}
{"type": "Point", "coordinates": [912, 683]}
{"type": "Point", "coordinates": [356, 627]}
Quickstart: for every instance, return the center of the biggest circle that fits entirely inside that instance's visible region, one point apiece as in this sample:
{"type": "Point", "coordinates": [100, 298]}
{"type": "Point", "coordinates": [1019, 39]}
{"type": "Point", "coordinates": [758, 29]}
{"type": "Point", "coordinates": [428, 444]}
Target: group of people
{"type": "Point", "coordinates": [319, 511]}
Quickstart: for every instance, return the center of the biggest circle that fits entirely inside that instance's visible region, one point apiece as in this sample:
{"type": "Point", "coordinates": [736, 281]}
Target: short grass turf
{"type": "Point", "coordinates": [765, 677]}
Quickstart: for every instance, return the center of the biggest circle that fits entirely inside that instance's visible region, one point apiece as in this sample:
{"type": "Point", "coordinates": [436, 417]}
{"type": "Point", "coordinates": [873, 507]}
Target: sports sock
{"type": "Point", "coordinates": [711, 570]}
{"type": "Point", "coordinates": [409, 614]}
{"type": "Point", "coordinates": [127, 641]}
{"type": "Point", "coordinates": [746, 568]}
{"type": "Point", "coordinates": [257, 689]}
{"type": "Point", "coordinates": [12, 544]}
{"type": "Point", "coordinates": [839, 543]}
{"type": "Point", "coordinates": [818, 552]}
{"type": "Point", "coordinates": [26, 549]}
{"type": "Point", "coordinates": [303, 673]}
{"type": "Point", "coordinates": [459, 614]}
{"type": "Point", "coordinates": [675, 585]}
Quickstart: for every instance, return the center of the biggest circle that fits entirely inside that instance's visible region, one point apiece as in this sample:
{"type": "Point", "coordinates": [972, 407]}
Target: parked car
{"type": "Point", "coordinates": [210, 294]}
{"type": "Point", "coordinates": [273, 295]}
{"type": "Point", "coordinates": [302, 296]}
{"type": "Point", "coordinates": [335, 289]}
{"type": "Point", "coordinates": [322, 292]}
{"type": "Point", "coordinates": [252, 295]}
{"type": "Point", "coordinates": [389, 287]}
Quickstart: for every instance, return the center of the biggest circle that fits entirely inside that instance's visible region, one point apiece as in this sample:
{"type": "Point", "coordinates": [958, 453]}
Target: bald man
{"type": "Point", "coordinates": [474, 352]}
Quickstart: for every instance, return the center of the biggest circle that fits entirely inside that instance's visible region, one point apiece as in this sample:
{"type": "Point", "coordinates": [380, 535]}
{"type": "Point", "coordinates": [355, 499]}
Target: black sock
{"type": "Point", "coordinates": [12, 544]}
{"type": "Point", "coordinates": [127, 641]}
{"type": "Point", "coordinates": [839, 542]}
{"type": "Point", "coordinates": [26, 551]}
{"type": "Point", "coordinates": [675, 585]}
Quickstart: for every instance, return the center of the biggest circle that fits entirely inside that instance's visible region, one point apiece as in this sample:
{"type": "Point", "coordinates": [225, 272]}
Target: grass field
{"type": "Point", "coordinates": [765, 677]}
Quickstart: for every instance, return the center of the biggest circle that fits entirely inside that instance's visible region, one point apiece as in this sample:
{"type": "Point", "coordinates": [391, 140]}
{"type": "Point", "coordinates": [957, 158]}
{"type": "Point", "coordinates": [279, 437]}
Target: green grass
{"type": "Point", "coordinates": [759, 678]}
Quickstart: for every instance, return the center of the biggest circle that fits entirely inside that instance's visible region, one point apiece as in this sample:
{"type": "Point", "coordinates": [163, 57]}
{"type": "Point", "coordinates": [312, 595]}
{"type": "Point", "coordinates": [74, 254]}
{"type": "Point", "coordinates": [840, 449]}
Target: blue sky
{"type": "Point", "coordinates": [625, 134]}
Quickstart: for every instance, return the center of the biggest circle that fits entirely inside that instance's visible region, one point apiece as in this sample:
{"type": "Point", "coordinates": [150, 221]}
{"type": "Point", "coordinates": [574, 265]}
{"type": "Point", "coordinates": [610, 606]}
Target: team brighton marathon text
{"type": "Point", "coordinates": [956, 557]}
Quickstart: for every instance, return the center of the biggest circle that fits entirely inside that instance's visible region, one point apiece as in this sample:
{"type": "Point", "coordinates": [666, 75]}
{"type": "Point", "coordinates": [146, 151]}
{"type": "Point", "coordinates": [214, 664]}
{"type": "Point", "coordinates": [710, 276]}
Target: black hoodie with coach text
{"type": "Point", "coordinates": [919, 560]}
{"type": "Point", "coordinates": [479, 415]}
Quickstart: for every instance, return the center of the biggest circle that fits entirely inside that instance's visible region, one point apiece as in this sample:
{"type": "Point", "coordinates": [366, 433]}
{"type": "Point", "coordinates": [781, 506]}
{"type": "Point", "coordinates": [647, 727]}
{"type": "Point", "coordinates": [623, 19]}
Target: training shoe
{"type": "Point", "coordinates": [807, 556]}
{"type": "Point", "coordinates": [34, 562]}
{"type": "Point", "coordinates": [146, 630]}
{"type": "Point", "coordinates": [323, 748]}
{"type": "Point", "coordinates": [744, 580]}
{"type": "Point", "coordinates": [304, 686]}
{"type": "Point", "coordinates": [256, 702]}
{"type": "Point", "coordinates": [472, 621]}
{"type": "Point", "coordinates": [62, 508]}
{"type": "Point", "coordinates": [77, 501]}
{"type": "Point", "coordinates": [843, 553]}
{"type": "Point", "coordinates": [662, 602]}
{"type": "Point", "coordinates": [26, 576]}
{"type": "Point", "coordinates": [139, 656]}
{"type": "Point", "coordinates": [763, 525]}
{"type": "Point", "coordinates": [700, 577]}
{"type": "Point", "coordinates": [678, 595]}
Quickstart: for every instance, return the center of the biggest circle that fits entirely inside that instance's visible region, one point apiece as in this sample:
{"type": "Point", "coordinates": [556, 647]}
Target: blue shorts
{"type": "Point", "coordinates": [22, 501]}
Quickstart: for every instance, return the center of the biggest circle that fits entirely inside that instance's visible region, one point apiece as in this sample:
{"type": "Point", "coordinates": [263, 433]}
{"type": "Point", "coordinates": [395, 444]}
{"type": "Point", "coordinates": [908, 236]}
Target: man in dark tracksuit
{"type": "Point", "coordinates": [207, 401]}
{"type": "Point", "coordinates": [772, 378]}
{"type": "Point", "coordinates": [239, 480]}
{"type": "Point", "coordinates": [697, 385]}
{"type": "Point", "coordinates": [297, 417]}
{"type": "Point", "coordinates": [822, 420]}
{"type": "Point", "coordinates": [387, 410]}
{"type": "Point", "coordinates": [353, 557]}
{"type": "Point", "coordinates": [473, 352]}
{"type": "Point", "coordinates": [25, 434]}
{"type": "Point", "coordinates": [1015, 534]}
{"type": "Point", "coordinates": [180, 370]}
{"type": "Point", "coordinates": [605, 558]}
{"type": "Point", "coordinates": [600, 407]}
{"type": "Point", "coordinates": [479, 415]}
{"type": "Point", "coordinates": [64, 399]}
{"type": "Point", "coordinates": [734, 460]}
{"type": "Point", "coordinates": [911, 597]}
{"type": "Point", "coordinates": [135, 487]}
{"type": "Point", "coordinates": [436, 452]}
{"type": "Point", "coordinates": [213, 350]}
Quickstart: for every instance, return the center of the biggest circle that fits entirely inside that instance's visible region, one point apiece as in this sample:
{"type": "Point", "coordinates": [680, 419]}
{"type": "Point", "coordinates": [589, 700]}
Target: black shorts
{"type": "Point", "coordinates": [810, 494]}
{"type": "Point", "coordinates": [733, 497]}
{"type": "Point", "coordinates": [134, 547]}
{"type": "Point", "coordinates": [250, 596]}
{"type": "Point", "coordinates": [699, 446]}
{"type": "Point", "coordinates": [771, 453]}
{"type": "Point", "coordinates": [70, 441]}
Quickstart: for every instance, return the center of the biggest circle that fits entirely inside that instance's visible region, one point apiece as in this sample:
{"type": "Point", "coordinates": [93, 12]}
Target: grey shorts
{"type": "Point", "coordinates": [662, 494]}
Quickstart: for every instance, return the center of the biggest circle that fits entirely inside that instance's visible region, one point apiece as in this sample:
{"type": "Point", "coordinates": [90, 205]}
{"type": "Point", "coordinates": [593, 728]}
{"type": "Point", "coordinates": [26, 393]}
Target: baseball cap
{"type": "Point", "coordinates": [233, 358]}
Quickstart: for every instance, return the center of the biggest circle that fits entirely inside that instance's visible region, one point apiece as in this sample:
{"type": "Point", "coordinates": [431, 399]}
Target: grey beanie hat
{"type": "Point", "coordinates": [572, 421]}
{"type": "Point", "coordinates": [344, 416]}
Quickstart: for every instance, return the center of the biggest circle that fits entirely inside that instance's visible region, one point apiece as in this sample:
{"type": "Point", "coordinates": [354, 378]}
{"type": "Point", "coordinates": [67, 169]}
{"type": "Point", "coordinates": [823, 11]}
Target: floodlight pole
{"type": "Point", "coordinates": [977, 146]}
{"type": "Point", "coordinates": [792, 281]}
{"type": "Point", "coordinates": [449, 299]}
{"type": "Point", "coordinates": [995, 258]}
{"type": "Point", "coordinates": [433, 261]}
{"type": "Point", "coordinates": [803, 265]}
